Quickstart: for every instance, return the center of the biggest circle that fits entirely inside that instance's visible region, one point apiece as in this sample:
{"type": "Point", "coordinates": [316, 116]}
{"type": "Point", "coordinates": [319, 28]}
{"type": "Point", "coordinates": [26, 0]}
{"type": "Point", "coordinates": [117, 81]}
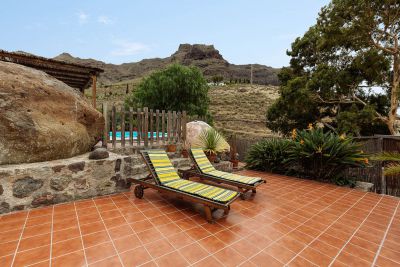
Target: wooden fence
{"type": "Point", "coordinates": [143, 127]}
{"type": "Point", "coordinates": [389, 185]}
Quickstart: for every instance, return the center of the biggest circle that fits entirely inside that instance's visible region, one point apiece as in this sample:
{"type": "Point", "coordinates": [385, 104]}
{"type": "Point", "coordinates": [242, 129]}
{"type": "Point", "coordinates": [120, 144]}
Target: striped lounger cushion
{"type": "Point", "coordinates": [207, 168]}
{"type": "Point", "coordinates": [168, 177]}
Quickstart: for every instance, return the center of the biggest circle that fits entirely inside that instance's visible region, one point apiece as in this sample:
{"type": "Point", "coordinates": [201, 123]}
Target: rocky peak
{"type": "Point", "coordinates": [197, 52]}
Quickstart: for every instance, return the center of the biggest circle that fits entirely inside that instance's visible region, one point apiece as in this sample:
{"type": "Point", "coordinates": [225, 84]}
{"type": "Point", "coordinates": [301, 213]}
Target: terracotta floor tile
{"type": "Point", "coordinates": [316, 257]}
{"type": "Point", "coordinates": [99, 252]}
{"type": "Point", "coordinates": [172, 259]}
{"type": "Point", "coordinates": [229, 257]}
{"type": "Point", "coordinates": [67, 223]}
{"type": "Point", "coordinates": [8, 248]}
{"type": "Point", "coordinates": [127, 243]}
{"type": "Point", "coordinates": [120, 231]}
{"type": "Point", "coordinates": [73, 259]}
{"type": "Point", "coordinates": [92, 228]}
{"type": "Point", "coordinates": [359, 252]}
{"type": "Point", "coordinates": [159, 248]}
{"type": "Point", "coordinates": [41, 212]}
{"type": "Point", "coordinates": [180, 240]}
{"type": "Point", "coordinates": [32, 221]}
{"type": "Point", "coordinates": [212, 244]}
{"type": "Point", "coordinates": [227, 236]}
{"type": "Point", "coordinates": [280, 253]}
{"type": "Point", "coordinates": [149, 236]}
{"type": "Point", "coordinates": [110, 214]}
{"type": "Point", "coordinates": [197, 233]}
{"type": "Point", "coordinates": [34, 242]}
{"type": "Point", "coordinates": [352, 260]}
{"type": "Point", "coordinates": [36, 230]}
{"type": "Point", "coordinates": [245, 248]}
{"type": "Point", "coordinates": [66, 246]}
{"type": "Point", "coordinates": [193, 253]}
{"type": "Point", "coordinates": [135, 257]}
{"type": "Point", "coordinates": [385, 262]}
{"type": "Point", "coordinates": [90, 218]}
{"type": "Point", "coordinates": [141, 226]}
{"type": "Point", "coordinates": [390, 254]}
{"type": "Point", "coordinates": [32, 256]}
{"type": "Point", "coordinates": [208, 262]}
{"type": "Point", "coordinates": [95, 239]}
{"type": "Point", "coordinates": [259, 241]}
{"type": "Point", "coordinates": [6, 260]}
{"type": "Point", "coordinates": [301, 262]}
{"type": "Point", "coordinates": [265, 259]}
{"type": "Point", "coordinates": [66, 234]}
{"type": "Point", "coordinates": [324, 248]}
{"type": "Point", "coordinates": [10, 236]}
{"type": "Point", "coordinates": [114, 222]}
{"type": "Point", "coordinates": [112, 261]}
{"type": "Point", "coordinates": [169, 229]}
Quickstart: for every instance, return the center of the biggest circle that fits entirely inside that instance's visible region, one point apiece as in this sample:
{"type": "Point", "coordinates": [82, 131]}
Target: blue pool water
{"type": "Point", "coordinates": [135, 134]}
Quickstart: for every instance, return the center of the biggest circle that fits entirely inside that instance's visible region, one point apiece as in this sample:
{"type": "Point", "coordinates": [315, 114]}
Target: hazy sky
{"type": "Point", "coordinates": [252, 31]}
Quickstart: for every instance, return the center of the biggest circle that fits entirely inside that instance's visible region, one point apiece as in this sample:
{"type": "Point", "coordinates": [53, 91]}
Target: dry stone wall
{"type": "Point", "coordinates": [32, 185]}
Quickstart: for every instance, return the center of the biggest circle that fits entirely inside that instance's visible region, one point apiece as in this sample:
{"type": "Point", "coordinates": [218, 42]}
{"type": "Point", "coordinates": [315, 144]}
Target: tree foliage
{"type": "Point", "coordinates": [175, 88]}
{"type": "Point", "coordinates": [352, 48]}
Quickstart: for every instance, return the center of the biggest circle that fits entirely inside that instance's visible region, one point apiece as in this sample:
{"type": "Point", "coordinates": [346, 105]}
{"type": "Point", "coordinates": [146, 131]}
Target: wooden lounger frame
{"type": "Point", "coordinates": [151, 181]}
{"type": "Point", "coordinates": [195, 171]}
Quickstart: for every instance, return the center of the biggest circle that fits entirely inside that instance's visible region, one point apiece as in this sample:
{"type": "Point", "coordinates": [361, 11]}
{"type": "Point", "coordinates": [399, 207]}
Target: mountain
{"type": "Point", "coordinates": [205, 57]}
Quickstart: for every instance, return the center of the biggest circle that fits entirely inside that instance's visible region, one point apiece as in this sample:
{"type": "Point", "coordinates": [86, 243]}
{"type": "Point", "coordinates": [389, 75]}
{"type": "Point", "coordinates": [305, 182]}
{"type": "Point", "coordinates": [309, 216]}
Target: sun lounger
{"type": "Point", "coordinates": [165, 179]}
{"type": "Point", "coordinates": [203, 169]}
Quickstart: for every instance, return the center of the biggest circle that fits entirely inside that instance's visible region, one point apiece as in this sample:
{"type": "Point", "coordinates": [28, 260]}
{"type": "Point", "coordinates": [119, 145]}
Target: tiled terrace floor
{"type": "Point", "coordinates": [290, 221]}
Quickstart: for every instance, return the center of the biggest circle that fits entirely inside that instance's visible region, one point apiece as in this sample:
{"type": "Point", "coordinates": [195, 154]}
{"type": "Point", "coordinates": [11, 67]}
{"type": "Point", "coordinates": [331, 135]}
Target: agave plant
{"type": "Point", "coordinates": [391, 168]}
{"type": "Point", "coordinates": [210, 140]}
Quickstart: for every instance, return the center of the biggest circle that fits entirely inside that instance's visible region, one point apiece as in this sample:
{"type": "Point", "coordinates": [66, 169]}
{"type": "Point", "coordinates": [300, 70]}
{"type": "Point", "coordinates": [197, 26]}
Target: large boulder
{"type": "Point", "coordinates": [193, 130]}
{"type": "Point", "coordinates": [41, 118]}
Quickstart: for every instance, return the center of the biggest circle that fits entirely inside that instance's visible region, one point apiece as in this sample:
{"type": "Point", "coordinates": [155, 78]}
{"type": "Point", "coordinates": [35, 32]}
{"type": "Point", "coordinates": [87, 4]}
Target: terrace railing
{"type": "Point", "coordinates": [142, 127]}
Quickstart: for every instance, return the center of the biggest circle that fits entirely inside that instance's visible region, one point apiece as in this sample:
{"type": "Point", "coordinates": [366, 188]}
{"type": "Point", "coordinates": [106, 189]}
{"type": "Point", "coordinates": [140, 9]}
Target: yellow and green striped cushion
{"type": "Point", "coordinates": [169, 178]}
{"type": "Point", "coordinates": [207, 168]}
{"type": "Point", "coordinates": [162, 165]}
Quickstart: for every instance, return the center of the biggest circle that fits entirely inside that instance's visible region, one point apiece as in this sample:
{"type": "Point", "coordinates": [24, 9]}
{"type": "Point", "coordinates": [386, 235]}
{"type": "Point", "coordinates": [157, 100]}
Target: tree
{"type": "Point", "coordinates": [175, 88]}
{"type": "Point", "coordinates": [353, 46]}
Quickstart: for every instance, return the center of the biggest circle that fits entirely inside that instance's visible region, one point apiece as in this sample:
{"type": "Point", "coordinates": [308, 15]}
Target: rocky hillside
{"type": "Point", "coordinates": [206, 57]}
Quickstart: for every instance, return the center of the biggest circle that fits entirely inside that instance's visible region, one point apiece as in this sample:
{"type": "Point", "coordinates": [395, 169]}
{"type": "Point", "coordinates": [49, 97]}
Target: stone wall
{"type": "Point", "coordinates": [31, 185]}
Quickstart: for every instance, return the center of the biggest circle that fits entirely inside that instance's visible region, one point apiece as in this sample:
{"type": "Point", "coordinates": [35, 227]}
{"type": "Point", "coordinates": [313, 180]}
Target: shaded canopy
{"type": "Point", "coordinates": [74, 75]}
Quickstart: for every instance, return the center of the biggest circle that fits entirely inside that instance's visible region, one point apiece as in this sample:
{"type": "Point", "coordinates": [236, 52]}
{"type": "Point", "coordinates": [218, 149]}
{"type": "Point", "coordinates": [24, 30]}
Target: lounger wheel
{"type": "Point", "coordinates": [139, 191]}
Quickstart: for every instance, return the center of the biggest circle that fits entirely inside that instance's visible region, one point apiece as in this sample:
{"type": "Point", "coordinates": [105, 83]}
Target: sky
{"type": "Point", "coordinates": [252, 31]}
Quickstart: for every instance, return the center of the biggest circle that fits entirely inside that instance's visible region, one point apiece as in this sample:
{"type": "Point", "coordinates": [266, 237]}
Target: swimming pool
{"type": "Point", "coordinates": [118, 135]}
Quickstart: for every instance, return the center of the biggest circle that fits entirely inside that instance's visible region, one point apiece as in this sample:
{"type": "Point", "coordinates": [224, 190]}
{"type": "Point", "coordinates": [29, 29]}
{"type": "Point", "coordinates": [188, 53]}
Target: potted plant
{"type": "Point", "coordinates": [185, 149]}
{"type": "Point", "coordinates": [233, 152]}
{"type": "Point", "coordinates": [211, 141]}
{"type": "Point", "coordinates": [171, 146]}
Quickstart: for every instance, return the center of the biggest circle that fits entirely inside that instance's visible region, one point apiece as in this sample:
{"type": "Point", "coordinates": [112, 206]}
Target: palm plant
{"type": "Point", "coordinates": [211, 141]}
{"type": "Point", "coordinates": [391, 168]}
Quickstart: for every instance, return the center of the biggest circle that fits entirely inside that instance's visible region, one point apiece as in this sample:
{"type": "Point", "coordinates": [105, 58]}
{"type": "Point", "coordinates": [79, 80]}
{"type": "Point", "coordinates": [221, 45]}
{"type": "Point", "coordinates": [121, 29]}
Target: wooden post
{"type": "Point", "coordinates": [106, 126]}
{"type": "Point", "coordinates": [131, 126]}
{"type": "Point", "coordinates": [174, 126]}
{"type": "Point", "coordinates": [94, 80]}
{"type": "Point", "coordinates": [113, 125]}
{"type": "Point", "coordinates": [157, 126]}
{"type": "Point", "coordinates": [178, 126]}
{"type": "Point", "coordinates": [163, 126]}
{"type": "Point", "coordinates": [169, 120]}
{"type": "Point", "coordinates": [151, 127]}
{"type": "Point", "coordinates": [122, 126]}
{"type": "Point", "coordinates": [383, 178]}
{"type": "Point", "coordinates": [146, 127]}
{"type": "Point", "coordinates": [139, 126]}
{"type": "Point", "coordinates": [184, 121]}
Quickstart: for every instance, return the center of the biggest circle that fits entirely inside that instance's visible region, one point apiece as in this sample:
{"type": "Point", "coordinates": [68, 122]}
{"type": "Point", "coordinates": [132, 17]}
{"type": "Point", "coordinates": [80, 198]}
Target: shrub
{"type": "Point", "coordinates": [210, 140]}
{"type": "Point", "coordinates": [175, 88]}
{"type": "Point", "coordinates": [323, 155]}
{"type": "Point", "coordinates": [268, 155]}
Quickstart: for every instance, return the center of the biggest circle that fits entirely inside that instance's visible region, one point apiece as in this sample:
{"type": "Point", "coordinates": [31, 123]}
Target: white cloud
{"type": "Point", "coordinates": [126, 48]}
{"type": "Point", "coordinates": [105, 20]}
{"type": "Point", "coordinates": [82, 17]}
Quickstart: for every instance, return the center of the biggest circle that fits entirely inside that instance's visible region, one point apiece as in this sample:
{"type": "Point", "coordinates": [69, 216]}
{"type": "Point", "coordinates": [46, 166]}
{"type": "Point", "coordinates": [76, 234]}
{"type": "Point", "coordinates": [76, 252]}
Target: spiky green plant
{"type": "Point", "coordinates": [210, 140]}
{"type": "Point", "coordinates": [268, 155]}
{"type": "Point", "coordinates": [391, 168]}
{"type": "Point", "coordinates": [324, 155]}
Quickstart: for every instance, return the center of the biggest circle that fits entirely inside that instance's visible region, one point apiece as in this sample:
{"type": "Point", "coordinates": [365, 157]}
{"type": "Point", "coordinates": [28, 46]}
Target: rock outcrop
{"type": "Point", "coordinates": [193, 130]}
{"type": "Point", "coordinates": [41, 118]}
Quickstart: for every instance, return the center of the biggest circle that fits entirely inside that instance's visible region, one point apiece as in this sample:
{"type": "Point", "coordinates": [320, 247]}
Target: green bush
{"type": "Point", "coordinates": [269, 155]}
{"type": "Point", "coordinates": [323, 155]}
{"type": "Point", "coordinates": [175, 88]}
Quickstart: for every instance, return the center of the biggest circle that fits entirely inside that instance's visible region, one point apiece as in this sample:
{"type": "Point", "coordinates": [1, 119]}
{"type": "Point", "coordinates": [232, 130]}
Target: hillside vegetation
{"type": "Point", "coordinates": [236, 108]}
